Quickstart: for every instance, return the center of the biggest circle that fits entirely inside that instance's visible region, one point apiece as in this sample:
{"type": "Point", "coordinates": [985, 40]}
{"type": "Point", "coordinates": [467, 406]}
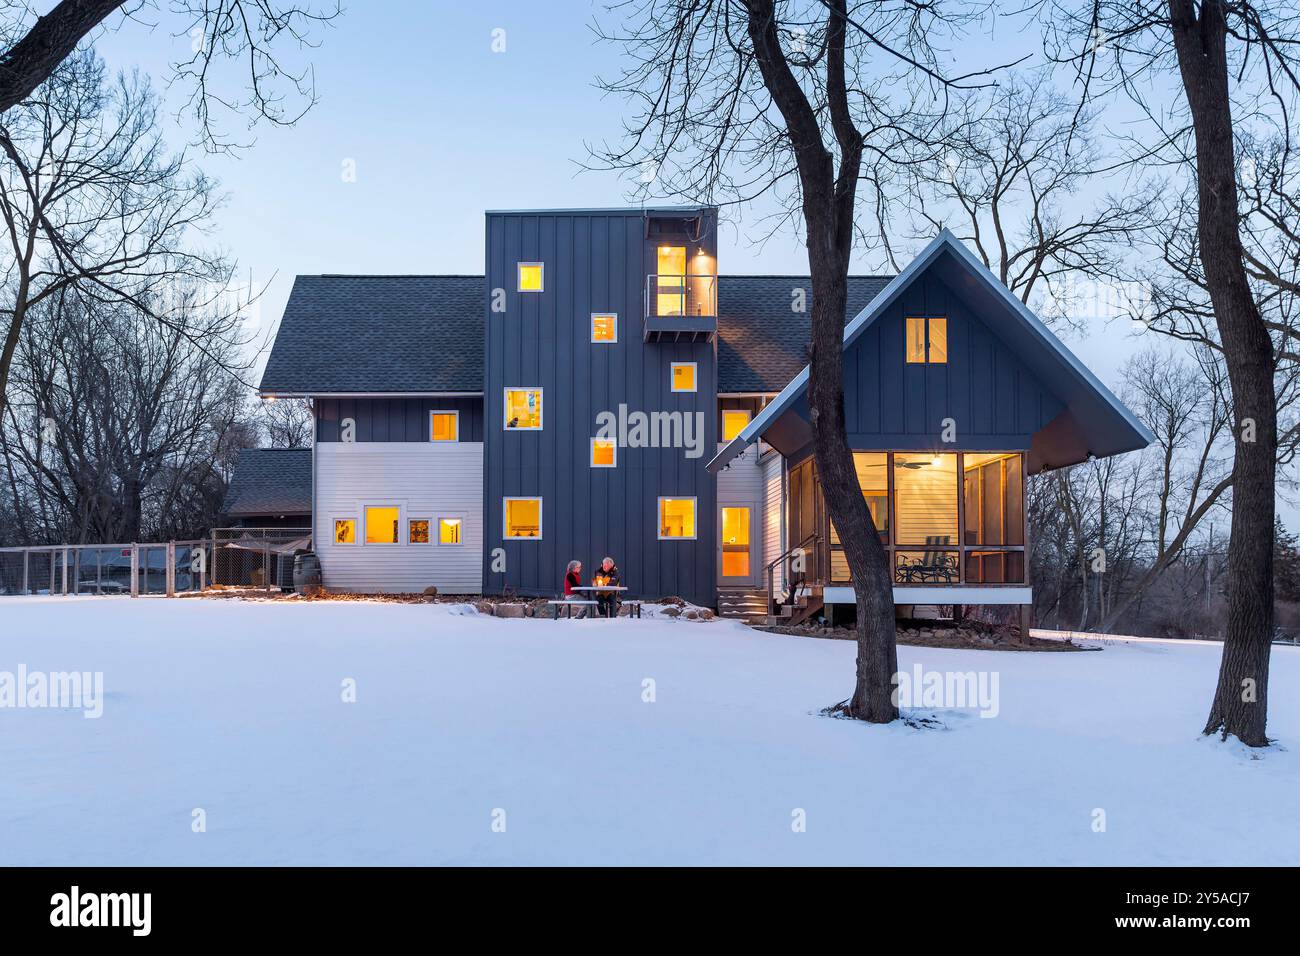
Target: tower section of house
{"type": "Point", "coordinates": [600, 398]}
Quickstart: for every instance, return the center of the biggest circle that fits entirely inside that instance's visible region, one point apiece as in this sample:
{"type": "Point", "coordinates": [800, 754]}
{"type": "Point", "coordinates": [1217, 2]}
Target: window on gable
{"type": "Point", "coordinates": [733, 421]}
{"type": "Point", "coordinates": [683, 376]}
{"type": "Point", "coordinates": [604, 327]}
{"type": "Point", "coordinates": [531, 276]}
{"type": "Point", "coordinates": [604, 453]}
{"type": "Point", "coordinates": [444, 426]}
{"type": "Point", "coordinates": [927, 340]}
{"type": "Point", "coordinates": [523, 410]}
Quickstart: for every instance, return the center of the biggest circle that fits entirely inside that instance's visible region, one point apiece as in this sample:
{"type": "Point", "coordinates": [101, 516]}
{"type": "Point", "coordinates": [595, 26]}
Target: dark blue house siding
{"type": "Point", "coordinates": [996, 402]}
{"type": "Point", "coordinates": [396, 419]}
{"type": "Point", "coordinates": [594, 262]}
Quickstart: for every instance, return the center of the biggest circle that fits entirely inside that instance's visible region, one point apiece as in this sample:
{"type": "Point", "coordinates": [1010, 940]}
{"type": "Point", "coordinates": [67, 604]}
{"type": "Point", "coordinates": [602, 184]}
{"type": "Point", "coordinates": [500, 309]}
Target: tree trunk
{"type": "Point", "coordinates": [1240, 704]}
{"type": "Point", "coordinates": [31, 60]}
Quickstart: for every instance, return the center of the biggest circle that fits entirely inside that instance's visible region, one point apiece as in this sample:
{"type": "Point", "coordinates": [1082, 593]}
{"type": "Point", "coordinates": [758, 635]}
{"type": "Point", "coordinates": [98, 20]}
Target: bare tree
{"type": "Point", "coordinates": [251, 33]}
{"type": "Point", "coordinates": [1237, 66]}
{"type": "Point", "coordinates": [814, 105]}
{"type": "Point", "coordinates": [286, 422]}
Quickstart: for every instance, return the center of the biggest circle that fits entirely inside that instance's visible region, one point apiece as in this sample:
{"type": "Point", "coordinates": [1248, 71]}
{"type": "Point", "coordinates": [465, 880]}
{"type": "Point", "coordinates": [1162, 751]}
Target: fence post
{"type": "Point", "coordinates": [76, 571]}
{"type": "Point", "coordinates": [203, 565]}
{"type": "Point", "coordinates": [266, 566]}
{"type": "Point", "coordinates": [99, 571]}
{"type": "Point", "coordinates": [135, 570]}
{"type": "Point", "coordinates": [214, 557]}
{"type": "Point", "coordinates": [27, 560]}
{"type": "Point", "coordinates": [171, 568]}
{"type": "Point", "coordinates": [50, 589]}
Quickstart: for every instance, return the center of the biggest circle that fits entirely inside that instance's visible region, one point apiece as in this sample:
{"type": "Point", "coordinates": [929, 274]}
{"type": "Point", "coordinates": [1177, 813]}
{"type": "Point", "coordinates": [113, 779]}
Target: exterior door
{"type": "Point", "coordinates": [737, 555]}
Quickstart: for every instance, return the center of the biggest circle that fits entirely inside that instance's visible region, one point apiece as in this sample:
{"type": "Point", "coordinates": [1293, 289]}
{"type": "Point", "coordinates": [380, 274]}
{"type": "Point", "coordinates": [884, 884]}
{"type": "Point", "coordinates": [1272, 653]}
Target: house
{"type": "Point", "coordinates": [601, 389]}
{"type": "Point", "coordinates": [269, 488]}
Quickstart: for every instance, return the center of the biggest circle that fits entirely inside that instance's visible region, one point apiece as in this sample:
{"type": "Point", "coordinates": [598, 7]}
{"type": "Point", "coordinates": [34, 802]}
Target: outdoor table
{"type": "Point", "coordinates": [598, 587]}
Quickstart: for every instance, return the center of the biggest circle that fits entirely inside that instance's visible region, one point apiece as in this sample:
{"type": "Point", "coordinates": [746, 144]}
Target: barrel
{"type": "Point", "coordinates": [306, 572]}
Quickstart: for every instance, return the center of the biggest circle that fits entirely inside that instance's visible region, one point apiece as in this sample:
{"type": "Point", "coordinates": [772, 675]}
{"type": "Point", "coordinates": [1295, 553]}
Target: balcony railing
{"type": "Point", "coordinates": [681, 296]}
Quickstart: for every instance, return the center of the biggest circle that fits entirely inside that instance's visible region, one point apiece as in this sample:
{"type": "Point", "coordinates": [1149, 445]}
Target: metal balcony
{"type": "Point", "coordinates": [681, 308]}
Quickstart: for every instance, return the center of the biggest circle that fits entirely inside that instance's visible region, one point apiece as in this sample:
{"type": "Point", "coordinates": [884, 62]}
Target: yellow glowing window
{"type": "Point", "coordinates": [523, 518]}
{"type": "Point", "coordinates": [927, 340]}
{"type": "Point", "coordinates": [683, 376]}
{"type": "Point", "coordinates": [444, 426]}
{"type": "Point", "coordinates": [449, 530]}
{"type": "Point", "coordinates": [604, 453]}
{"type": "Point", "coordinates": [676, 518]}
{"type": "Point", "coordinates": [381, 525]}
{"type": "Point", "coordinates": [523, 408]}
{"type": "Point", "coordinates": [417, 531]}
{"type": "Point", "coordinates": [735, 542]}
{"type": "Point", "coordinates": [670, 298]}
{"type": "Point", "coordinates": [530, 276]}
{"type": "Point", "coordinates": [733, 420]}
{"type": "Point", "coordinates": [345, 531]}
{"type": "Point", "coordinates": [604, 327]}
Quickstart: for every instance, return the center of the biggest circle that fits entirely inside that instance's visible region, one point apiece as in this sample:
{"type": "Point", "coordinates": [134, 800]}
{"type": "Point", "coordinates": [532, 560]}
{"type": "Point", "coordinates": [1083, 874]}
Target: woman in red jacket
{"type": "Point", "coordinates": [573, 579]}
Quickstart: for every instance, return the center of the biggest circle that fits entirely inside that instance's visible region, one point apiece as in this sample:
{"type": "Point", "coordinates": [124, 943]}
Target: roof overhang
{"type": "Point", "coordinates": [1094, 424]}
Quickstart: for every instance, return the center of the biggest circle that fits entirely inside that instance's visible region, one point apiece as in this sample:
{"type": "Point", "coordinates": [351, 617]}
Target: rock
{"type": "Point", "coordinates": [510, 610]}
{"type": "Point", "coordinates": [431, 592]}
{"type": "Point", "coordinates": [672, 611]}
{"type": "Point", "coordinates": [706, 614]}
{"type": "Point", "coordinates": [538, 608]}
{"type": "Point", "coordinates": [673, 600]}
{"type": "Point", "coordinates": [691, 614]}
{"type": "Point", "coordinates": [483, 607]}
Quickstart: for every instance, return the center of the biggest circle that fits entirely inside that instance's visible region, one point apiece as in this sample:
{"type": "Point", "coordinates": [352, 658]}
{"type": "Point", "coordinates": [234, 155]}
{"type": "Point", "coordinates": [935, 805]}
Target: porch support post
{"type": "Point", "coordinates": [27, 560]}
{"type": "Point", "coordinates": [171, 568]}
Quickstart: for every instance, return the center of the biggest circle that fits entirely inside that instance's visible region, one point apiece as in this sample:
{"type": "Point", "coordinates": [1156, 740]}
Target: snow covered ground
{"type": "Point", "coordinates": [463, 722]}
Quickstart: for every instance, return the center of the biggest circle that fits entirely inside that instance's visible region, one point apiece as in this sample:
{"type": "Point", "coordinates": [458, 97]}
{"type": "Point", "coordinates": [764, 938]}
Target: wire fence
{"type": "Point", "coordinates": [257, 557]}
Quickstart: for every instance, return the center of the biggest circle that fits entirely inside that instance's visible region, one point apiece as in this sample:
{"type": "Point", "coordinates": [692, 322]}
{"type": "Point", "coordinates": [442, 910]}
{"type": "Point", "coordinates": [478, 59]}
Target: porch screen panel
{"type": "Point", "coordinates": [994, 499]}
{"type": "Point", "coordinates": [925, 499]}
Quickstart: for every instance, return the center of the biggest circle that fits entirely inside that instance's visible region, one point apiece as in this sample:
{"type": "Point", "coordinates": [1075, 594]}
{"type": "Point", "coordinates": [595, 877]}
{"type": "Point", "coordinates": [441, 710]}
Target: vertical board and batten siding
{"type": "Point", "coordinates": [774, 537]}
{"type": "Point", "coordinates": [994, 399]}
{"type": "Point", "coordinates": [594, 262]}
{"type": "Point", "coordinates": [401, 419]}
{"type": "Point", "coordinates": [424, 480]}
{"type": "Point", "coordinates": [740, 484]}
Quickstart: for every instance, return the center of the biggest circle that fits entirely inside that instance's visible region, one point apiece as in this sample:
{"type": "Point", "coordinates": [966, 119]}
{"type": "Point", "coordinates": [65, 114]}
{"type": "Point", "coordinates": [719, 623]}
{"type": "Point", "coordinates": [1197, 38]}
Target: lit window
{"type": "Point", "coordinates": [676, 518]}
{"type": "Point", "coordinates": [604, 453]}
{"type": "Point", "coordinates": [530, 276]}
{"type": "Point", "coordinates": [604, 327]}
{"type": "Point", "coordinates": [523, 518]}
{"type": "Point", "coordinates": [417, 531]}
{"type": "Point", "coordinates": [735, 542]}
{"type": "Point", "coordinates": [449, 530]}
{"type": "Point", "coordinates": [381, 525]}
{"type": "Point", "coordinates": [670, 293]}
{"type": "Point", "coordinates": [523, 409]}
{"type": "Point", "coordinates": [733, 420]}
{"type": "Point", "coordinates": [925, 498]}
{"type": "Point", "coordinates": [927, 340]}
{"type": "Point", "coordinates": [683, 376]}
{"type": "Point", "coordinates": [345, 531]}
{"type": "Point", "coordinates": [444, 426]}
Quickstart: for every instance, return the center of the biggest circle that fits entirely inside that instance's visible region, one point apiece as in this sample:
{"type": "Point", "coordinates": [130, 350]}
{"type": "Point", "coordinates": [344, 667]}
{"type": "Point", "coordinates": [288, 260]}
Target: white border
{"type": "Point", "coordinates": [601, 315]}
{"type": "Point", "coordinates": [735, 411]}
{"type": "Point", "coordinates": [452, 544]}
{"type": "Point", "coordinates": [519, 276]}
{"type": "Point", "coordinates": [334, 531]}
{"type": "Point", "coordinates": [419, 544]}
{"type": "Point", "coordinates": [505, 407]}
{"type": "Point", "coordinates": [541, 527]}
{"type": "Point", "coordinates": [444, 411]}
{"type": "Point", "coordinates": [659, 523]}
{"type": "Point", "coordinates": [695, 377]}
{"type": "Point", "coordinates": [591, 460]}
{"type": "Point", "coordinates": [365, 523]}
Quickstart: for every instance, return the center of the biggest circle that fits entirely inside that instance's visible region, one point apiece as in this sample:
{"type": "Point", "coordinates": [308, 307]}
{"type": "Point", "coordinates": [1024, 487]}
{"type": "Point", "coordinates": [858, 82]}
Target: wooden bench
{"type": "Point", "coordinates": [634, 608]}
{"type": "Point", "coordinates": [570, 605]}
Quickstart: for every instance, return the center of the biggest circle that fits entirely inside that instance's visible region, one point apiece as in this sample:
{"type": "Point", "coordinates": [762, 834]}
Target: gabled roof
{"type": "Point", "coordinates": [1095, 423]}
{"type": "Point", "coordinates": [379, 334]}
{"type": "Point", "coordinates": [270, 481]}
{"type": "Point", "coordinates": [762, 339]}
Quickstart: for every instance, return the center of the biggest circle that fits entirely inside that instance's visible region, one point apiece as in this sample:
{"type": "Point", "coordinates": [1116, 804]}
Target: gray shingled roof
{"type": "Point", "coordinates": [762, 340]}
{"type": "Point", "coordinates": [379, 334]}
{"type": "Point", "coordinates": [425, 333]}
{"type": "Point", "coordinates": [270, 481]}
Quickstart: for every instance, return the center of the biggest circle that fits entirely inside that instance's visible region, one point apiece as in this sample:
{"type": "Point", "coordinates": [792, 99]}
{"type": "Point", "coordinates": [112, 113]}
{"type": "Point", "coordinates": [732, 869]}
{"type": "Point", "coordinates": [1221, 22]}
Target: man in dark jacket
{"type": "Point", "coordinates": [607, 601]}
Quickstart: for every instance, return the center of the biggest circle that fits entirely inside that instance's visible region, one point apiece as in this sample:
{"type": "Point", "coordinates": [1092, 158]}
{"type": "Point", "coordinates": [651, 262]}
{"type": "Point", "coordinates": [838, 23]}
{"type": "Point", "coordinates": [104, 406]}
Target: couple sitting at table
{"type": "Point", "coordinates": [607, 574]}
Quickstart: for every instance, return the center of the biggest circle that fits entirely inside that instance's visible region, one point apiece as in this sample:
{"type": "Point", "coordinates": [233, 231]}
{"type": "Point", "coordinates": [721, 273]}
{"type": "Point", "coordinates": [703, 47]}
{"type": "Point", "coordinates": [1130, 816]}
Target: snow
{"type": "Point", "coordinates": [235, 708]}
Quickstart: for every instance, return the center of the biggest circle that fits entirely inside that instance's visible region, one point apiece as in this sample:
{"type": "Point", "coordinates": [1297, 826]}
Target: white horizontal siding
{"type": "Point", "coordinates": [740, 484]}
{"type": "Point", "coordinates": [423, 480]}
{"type": "Point", "coordinates": [773, 467]}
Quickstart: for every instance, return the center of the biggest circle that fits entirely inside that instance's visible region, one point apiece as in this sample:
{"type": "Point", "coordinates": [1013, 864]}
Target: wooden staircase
{"type": "Point", "coordinates": [807, 602]}
{"type": "Point", "coordinates": [743, 604]}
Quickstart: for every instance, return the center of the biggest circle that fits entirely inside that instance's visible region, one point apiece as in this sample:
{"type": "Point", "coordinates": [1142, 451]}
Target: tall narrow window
{"type": "Point", "coordinates": [925, 498]}
{"type": "Point", "coordinates": [733, 422]}
{"type": "Point", "coordinates": [381, 525]}
{"type": "Point", "coordinates": [523, 518]}
{"type": "Point", "coordinates": [676, 518]}
{"type": "Point", "coordinates": [604, 327]}
{"type": "Point", "coordinates": [531, 276]}
{"type": "Point", "coordinates": [345, 531]}
{"type": "Point", "coordinates": [927, 340]}
{"type": "Point", "coordinates": [449, 530]}
{"type": "Point", "coordinates": [604, 453]}
{"type": "Point", "coordinates": [444, 426]}
{"type": "Point", "coordinates": [670, 297]}
{"type": "Point", "coordinates": [523, 411]}
{"type": "Point", "coordinates": [683, 376]}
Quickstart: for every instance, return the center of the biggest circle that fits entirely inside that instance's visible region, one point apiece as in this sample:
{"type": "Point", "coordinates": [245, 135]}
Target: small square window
{"type": "Point", "coordinates": [523, 518]}
{"type": "Point", "coordinates": [449, 530]}
{"type": "Point", "coordinates": [683, 376]}
{"type": "Point", "coordinates": [733, 421]}
{"type": "Point", "coordinates": [381, 524]}
{"type": "Point", "coordinates": [531, 276]}
{"type": "Point", "coordinates": [345, 531]}
{"type": "Point", "coordinates": [604, 453]}
{"type": "Point", "coordinates": [523, 410]}
{"type": "Point", "coordinates": [676, 518]}
{"type": "Point", "coordinates": [417, 531]}
{"type": "Point", "coordinates": [444, 426]}
{"type": "Point", "coordinates": [604, 327]}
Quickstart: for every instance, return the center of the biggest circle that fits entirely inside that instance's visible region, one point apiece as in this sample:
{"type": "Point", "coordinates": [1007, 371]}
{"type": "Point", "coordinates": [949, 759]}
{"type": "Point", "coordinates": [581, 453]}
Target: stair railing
{"type": "Point", "coordinates": [771, 566]}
